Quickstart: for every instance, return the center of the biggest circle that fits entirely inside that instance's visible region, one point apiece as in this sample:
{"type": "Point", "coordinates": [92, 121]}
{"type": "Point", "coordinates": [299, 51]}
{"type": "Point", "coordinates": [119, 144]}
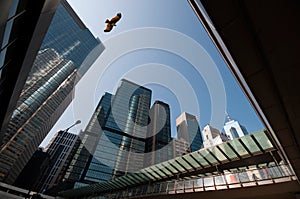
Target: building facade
{"type": "Point", "coordinates": [47, 91]}
{"type": "Point", "coordinates": [212, 136]}
{"type": "Point", "coordinates": [128, 121]}
{"type": "Point", "coordinates": [100, 166]}
{"type": "Point", "coordinates": [23, 26]}
{"type": "Point", "coordinates": [234, 129]}
{"type": "Point", "coordinates": [59, 149]}
{"type": "Point", "coordinates": [158, 141]}
{"type": "Point", "coordinates": [113, 142]}
{"type": "Point", "coordinates": [38, 163]}
{"type": "Point", "coordinates": [76, 175]}
{"type": "Point", "coordinates": [188, 129]}
{"type": "Point", "coordinates": [180, 147]}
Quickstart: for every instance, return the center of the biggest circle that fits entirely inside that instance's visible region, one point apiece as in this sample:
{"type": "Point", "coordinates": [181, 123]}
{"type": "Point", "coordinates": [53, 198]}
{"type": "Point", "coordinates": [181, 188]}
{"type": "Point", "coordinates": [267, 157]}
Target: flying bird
{"type": "Point", "coordinates": [112, 22]}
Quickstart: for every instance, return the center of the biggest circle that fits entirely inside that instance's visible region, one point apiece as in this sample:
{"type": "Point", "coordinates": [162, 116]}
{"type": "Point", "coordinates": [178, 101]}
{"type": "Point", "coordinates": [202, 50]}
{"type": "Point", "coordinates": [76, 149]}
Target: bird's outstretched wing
{"type": "Point", "coordinates": [108, 27]}
{"type": "Point", "coordinates": [116, 18]}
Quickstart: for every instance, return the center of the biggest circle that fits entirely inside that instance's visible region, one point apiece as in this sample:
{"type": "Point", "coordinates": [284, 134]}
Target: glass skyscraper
{"type": "Point", "coordinates": [128, 118]}
{"type": "Point", "coordinates": [71, 38]}
{"type": "Point", "coordinates": [158, 142]}
{"type": "Point", "coordinates": [86, 167]}
{"type": "Point", "coordinates": [48, 89]}
{"type": "Point", "coordinates": [116, 134]}
{"type": "Point", "coordinates": [189, 130]}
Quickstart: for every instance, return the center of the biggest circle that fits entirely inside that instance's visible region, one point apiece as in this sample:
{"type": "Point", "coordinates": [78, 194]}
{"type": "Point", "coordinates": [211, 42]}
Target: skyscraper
{"type": "Point", "coordinates": [85, 167]}
{"type": "Point", "coordinates": [59, 149]}
{"type": "Point", "coordinates": [233, 129]}
{"type": "Point", "coordinates": [33, 170]}
{"type": "Point", "coordinates": [158, 146]}
{"type": "Point", "coordinates": [23, 26]}
{"type": "Point", "coordinates": [115, 136]}
{"type": "Point", "coordinates": [128, 120]}
{"type": "Point", "coordinates": [48, 89]}
{"type": "Point", "coordinates": [101, 164]}
{"type": "Point", "coordinates": [69, 36]}
{"type": "Point", "coordinates": [188, 129]}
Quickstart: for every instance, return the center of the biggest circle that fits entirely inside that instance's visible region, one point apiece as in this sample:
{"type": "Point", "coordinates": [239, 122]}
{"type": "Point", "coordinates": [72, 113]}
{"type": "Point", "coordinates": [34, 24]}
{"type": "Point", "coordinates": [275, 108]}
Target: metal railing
{"type": "Point", "coordinates": [226, 180]}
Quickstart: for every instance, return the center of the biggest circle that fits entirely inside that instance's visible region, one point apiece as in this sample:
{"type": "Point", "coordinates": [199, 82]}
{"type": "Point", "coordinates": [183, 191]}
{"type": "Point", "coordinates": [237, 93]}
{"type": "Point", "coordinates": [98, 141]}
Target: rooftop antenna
{"type": "Point", "coordinates": [227, 117]}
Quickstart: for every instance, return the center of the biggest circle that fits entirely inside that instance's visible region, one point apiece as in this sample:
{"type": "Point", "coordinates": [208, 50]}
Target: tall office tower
{"type": "Point", "coordinates": [233, 129]}
{"type": "Point", "coordinates": [59, 149]}
{"type": "Point", "coordinates": [85, 167]}
{"type": "Point", "coordinates": [115, 136]}
{"type": "Point", "coordinates": [23, 27]}
{"type": "Point", "coordinates": [158, 146]}
{"type": "Point", "coordinates": [212, 136]}
{"type": "Point", "coordinates": [68, 35]}
{"type": "Point", "coordinates": [47, 92]}
{"type": "Point", "coordinates": [40, 105]}
{"type": "Point", "coordinates": [128, 121]}
{"type": "Point", "coordinates": [188, 129]}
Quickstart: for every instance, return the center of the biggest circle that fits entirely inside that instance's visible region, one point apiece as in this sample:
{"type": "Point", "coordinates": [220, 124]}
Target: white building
{"type": "Point", "coordinates": [212, 136]}
{"type": "Point", "coordinates": [233, 129]}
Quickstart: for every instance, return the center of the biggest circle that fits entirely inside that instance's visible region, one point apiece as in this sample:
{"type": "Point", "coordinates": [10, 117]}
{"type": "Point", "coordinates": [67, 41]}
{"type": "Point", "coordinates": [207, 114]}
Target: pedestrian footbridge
{"type": "Point", "coordinates": [251, 160]}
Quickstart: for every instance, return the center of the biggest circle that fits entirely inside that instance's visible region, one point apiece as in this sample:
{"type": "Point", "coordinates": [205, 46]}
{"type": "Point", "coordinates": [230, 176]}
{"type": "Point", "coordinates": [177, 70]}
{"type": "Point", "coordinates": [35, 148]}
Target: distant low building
{"type": "Point", "coordinates": [212, 136]}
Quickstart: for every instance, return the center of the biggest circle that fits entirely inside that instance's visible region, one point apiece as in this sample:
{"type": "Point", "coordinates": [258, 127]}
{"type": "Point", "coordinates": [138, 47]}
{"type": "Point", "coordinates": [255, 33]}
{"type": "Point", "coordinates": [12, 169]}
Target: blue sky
{"type": "Point", "coordinates": [175, 74]}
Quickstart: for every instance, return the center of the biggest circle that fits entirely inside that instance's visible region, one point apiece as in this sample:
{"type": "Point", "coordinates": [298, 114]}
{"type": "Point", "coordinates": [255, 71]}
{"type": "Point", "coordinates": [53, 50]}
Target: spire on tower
{"type": "Point", "coordinates": [228, 117]}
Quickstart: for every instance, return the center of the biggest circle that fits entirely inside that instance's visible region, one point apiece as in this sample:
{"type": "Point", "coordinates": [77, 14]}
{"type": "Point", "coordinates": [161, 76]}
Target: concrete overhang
{"type": "Point", "coordinates": [259, 40]}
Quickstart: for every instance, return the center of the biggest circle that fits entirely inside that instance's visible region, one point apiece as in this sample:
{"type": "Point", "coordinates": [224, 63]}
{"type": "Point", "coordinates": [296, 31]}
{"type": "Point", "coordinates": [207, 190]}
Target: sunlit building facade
{"type": "Point", "coordinates": [41, 104]}
{"type": "Point", "coordinates": [69, 36]}
{"type": "Point", "coordinates": [234, 129]}
{"type": "Point", "coordinates": [188, 129]}
{"type": "Point", "coordinates": [212, 136]}
{"type": "Point", "coordinates": [48, 89]}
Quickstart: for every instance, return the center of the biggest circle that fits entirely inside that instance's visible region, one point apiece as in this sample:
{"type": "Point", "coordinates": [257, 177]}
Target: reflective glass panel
{"type": "Point", "coordinates": [192, 161]}
{"type": "Point", "coordinates": [208, 156]}
{"type": "Point", "coordinates": [239, 147]}
{"type": "Point", "coordinates": [184, 163]}
{"type": "Point", "coordinates": [200, 159]}
{"type": "Point", "coordinates": [248, 141]}
{"type": "Point", "coordinates": [218, 154]}
{"type": "Point", "coordinates": [228, 151]}
{"type": "Point", "coordinates": [263, 140]}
